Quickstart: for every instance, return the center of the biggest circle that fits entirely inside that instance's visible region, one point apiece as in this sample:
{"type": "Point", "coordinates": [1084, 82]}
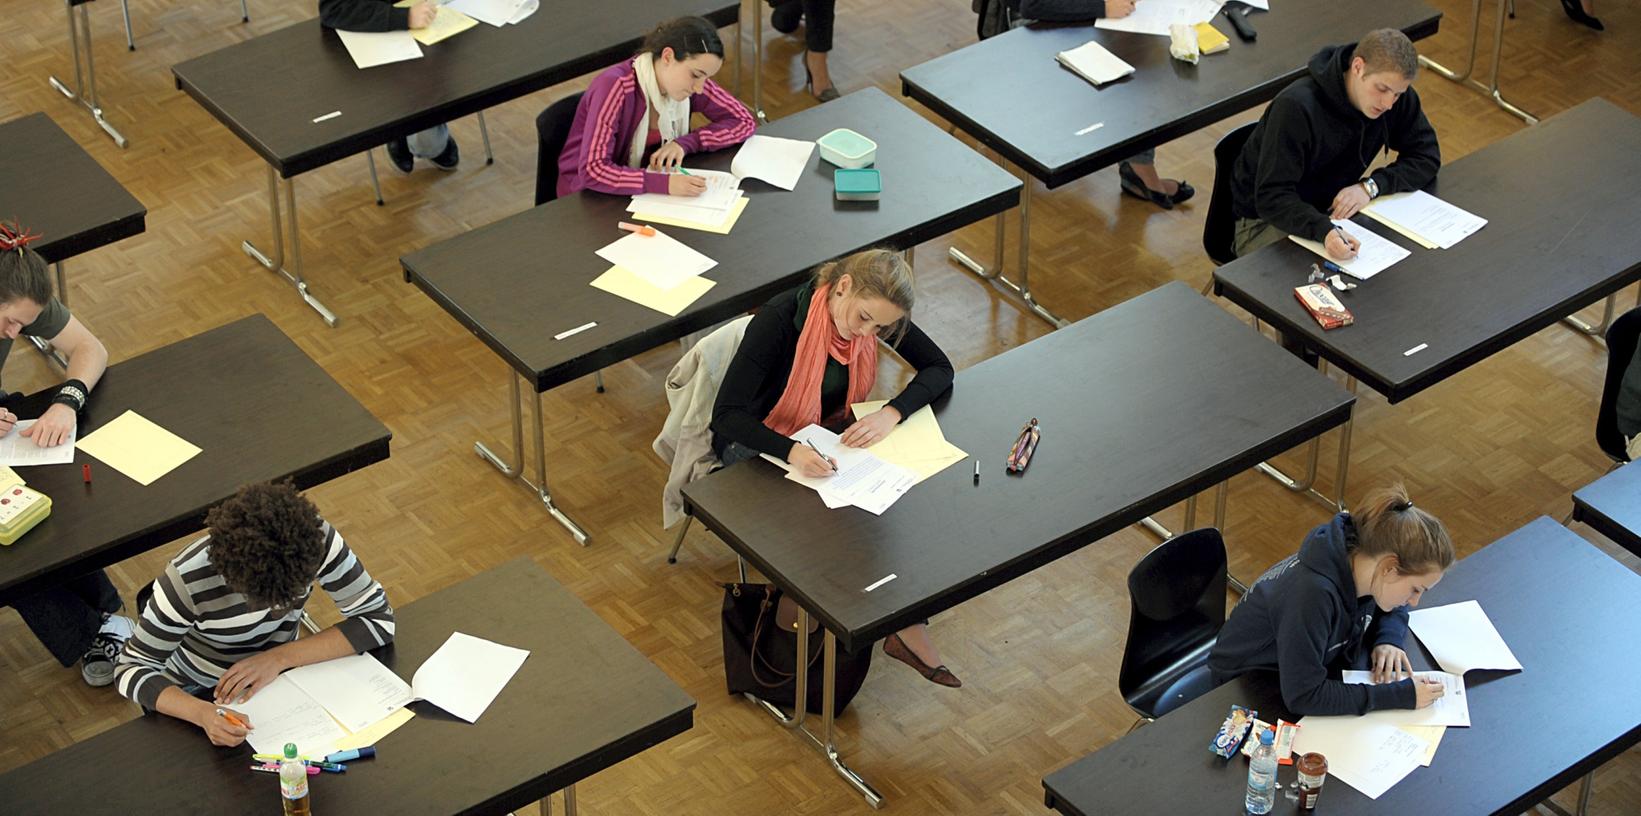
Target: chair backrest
{"type": "Point", "coordinates": [1621, 340]}
{"type": "Point", "coordinates": [1177, 601]}
{"type": "Point", "coordinates": [1219, 228]}
{"type": "Point", "coordinates": [552, 131]}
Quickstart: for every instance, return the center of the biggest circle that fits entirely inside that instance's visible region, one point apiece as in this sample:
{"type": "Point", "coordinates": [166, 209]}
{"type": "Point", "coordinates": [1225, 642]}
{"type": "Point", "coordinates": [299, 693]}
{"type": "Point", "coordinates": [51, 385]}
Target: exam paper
{"type": "Point", "coordinates": [1368, 756]}
{"type": "Point", "coordinates": [1452, 708]}
{"type": "Point", "coordinates": [780, 162]}
{"type": "Point", "coordinates": [862, 479]}
{"type": "Point", "coordinates": [282, 712]}
{"type": "Point", "coordinates": [1092, 62]}
{"type": "Point", "coordinates": [17, 450]}
{"type": "Point", "coordinates": [1155, 16]}
{"type": "Point", "coordinates": [493, 12]}
{"type": "Point", "coordinates": [1424, 218]}
{"type": "Point", "coordinates": [357, 690]}
{"type": "Point", "coordinates": [464, 676]}
{"type": "Point", "coordinates": [135, 446]}
{"type": "Point", "coordinates": [916, 444]}
{"type": "Point", "coordinates": [1375, 255]}
{"type": "Point", "coordinates": [660, 259]}
{"type": "Point", "coordinates": [1461, 638]}
{"type": "Point", "coordinates": [372, 48]}
{"type": "Point", "coordinates": [720, 224]}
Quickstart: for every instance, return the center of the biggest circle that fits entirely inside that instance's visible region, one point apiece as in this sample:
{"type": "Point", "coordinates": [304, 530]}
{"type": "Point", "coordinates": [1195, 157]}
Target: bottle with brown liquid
{"type": "Point", "coordinates": [1313, 771]}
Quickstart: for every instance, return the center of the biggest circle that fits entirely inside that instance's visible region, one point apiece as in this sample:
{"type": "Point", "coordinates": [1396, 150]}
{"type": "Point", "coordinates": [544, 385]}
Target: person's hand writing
{"type": "Point", "coordinates": [681, 185]}
{"type": "Point", "coordinates": [1340, 247]}
{"type": "Point", "coordinates": [53, 427]}
{"type": "Point", "coordinates": [219, 729]}
{"type": "Point", "coordinates": [1115, 9]}
{"type": "Point", "coordinates": [808, 462]}
{"type": "Point", "coordinates": [8, 419]}
{"type": "Point", "coordinates": [1427, 691]}
{"type": "Point", "coordinates": [667, 156]}
{"type": "Point", "coordinates": [870, 429]}
{"type": "Point", "coordinates": [422, 14]}
{"type": "Point", "coordinates": [247, 677]}
{"type": "Point", "coordinates": [1349, 202]}
{"type": "Point", "coordinates": [1390, 664]}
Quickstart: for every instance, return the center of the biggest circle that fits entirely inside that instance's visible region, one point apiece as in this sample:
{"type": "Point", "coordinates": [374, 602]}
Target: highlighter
{"type": "Point", "coordinates": [351, 754]}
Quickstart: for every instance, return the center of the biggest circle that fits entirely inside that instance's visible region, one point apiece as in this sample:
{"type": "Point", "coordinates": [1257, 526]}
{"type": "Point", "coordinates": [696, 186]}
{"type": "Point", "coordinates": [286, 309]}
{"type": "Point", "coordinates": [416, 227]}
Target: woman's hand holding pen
{"type": "Point", "coordinates": [870, 429]}
{"type": "Point", "coordinates": [422, 14]}
{"type": "Point", "coordinates": [1426, 692]}
{"type": "Point", "coordinates": [223, 727]}
{"type": "Point", "coordinates": [809, 461]}
{"type": "Point", "coordinates": [1340, 246]}
{"type": "Point", "coordinates": [7, 419]}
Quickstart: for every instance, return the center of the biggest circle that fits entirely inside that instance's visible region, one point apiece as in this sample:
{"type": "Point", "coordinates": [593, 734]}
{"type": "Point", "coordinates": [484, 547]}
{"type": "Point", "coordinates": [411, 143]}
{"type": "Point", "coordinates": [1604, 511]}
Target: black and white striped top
{"type": "Point", "coordinates": [194, 627]}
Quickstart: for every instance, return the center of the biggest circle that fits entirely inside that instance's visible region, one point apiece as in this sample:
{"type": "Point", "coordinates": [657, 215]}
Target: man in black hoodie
{"type": "Point", "coordinates": [1305, 162]}
{"type": "Point", "coordinates": [434, 144]}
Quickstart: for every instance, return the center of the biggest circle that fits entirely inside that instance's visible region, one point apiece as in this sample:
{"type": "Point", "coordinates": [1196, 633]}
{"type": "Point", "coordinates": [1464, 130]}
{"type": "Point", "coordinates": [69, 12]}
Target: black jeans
{"type": "Point", "coordinates": [66, 617]}
{"type": "Point", "coordinates": [817, 26]}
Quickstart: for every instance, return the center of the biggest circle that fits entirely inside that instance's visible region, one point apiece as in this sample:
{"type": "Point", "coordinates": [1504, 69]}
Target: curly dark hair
{"type": "Point", "coordinates": [267, 542]}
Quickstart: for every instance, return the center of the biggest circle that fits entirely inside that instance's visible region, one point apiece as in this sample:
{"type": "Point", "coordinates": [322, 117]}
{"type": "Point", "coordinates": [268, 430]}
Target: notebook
{"type": "Point", "coordinates": [1092, 62]}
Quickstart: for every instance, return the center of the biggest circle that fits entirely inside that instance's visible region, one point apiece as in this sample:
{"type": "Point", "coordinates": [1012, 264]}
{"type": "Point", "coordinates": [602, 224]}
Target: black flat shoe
{"type": "Point", "coordinates": [451, 156]}
{"type": "Point", "coordinates": [1575, 11]}
{"type": "Point", "coordinates": [896, 648]}
{"type": "Point", "coordinates": [398, 152]}
{"type": "Point", "coordinates": [786, 16]}
{"type": "Point", "coordinates": [1134, 186]}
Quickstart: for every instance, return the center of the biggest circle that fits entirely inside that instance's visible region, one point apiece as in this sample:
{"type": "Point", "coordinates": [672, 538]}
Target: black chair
{"type": "Point", "coordinates": [1177, 597]}
{"type": "Point", "coordinates": [1219, 228]}
{"type": "Point", "coordinates": [1621, 340]}
{"type": "Point", "coordinates": [552, 130]}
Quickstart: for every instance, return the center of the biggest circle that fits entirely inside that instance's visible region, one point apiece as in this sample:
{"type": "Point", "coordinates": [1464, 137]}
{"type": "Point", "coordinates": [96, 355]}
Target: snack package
{"type": "Point", "coordinates": [1285, 732]}
{"type": "Point", "coordinates": [1232, 732]}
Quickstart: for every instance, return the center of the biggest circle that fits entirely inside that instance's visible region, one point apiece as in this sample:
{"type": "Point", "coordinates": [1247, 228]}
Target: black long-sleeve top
{"type": "Point", "coordinates": [363, 15]}
{"type": "Point", "coordinates": [757, 376]}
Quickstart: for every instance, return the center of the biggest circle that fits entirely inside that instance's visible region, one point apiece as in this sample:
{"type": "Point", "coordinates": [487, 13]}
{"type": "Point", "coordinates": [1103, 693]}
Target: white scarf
{"type": "Point", "coordinates": [673, 120]}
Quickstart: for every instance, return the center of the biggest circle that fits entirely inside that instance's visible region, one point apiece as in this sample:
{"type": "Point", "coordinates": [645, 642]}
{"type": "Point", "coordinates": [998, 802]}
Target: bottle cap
{"type": "Point", "coordinates": [1266, 737]}
{"type": "Point", "coordinates": [290, 750]}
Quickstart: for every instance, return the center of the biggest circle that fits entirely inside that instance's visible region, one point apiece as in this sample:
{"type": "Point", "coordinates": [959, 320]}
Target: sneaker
{"type": "Point", "coordinates": [450, 157]}
{"type": "Point", "coordinates": [398, 152]}
{"type": "Point", "coordinates": [97, 665]}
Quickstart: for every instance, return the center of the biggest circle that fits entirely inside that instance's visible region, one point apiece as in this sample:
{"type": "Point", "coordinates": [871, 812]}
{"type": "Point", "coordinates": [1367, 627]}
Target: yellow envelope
{"type": "Point", "coordinates": [133, 445]}
{"type": "Point", "coordinates": [623, 283]}
{"type": "Point", "coordinates": [721, 229]}
{"type": "Point", "coordinates": [447, 23]}
{"type": "Point", "coordinates": [371, 734]}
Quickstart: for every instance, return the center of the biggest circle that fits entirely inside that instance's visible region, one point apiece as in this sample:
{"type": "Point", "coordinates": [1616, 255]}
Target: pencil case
{"type": "Point", "coordinates": [20, 509]}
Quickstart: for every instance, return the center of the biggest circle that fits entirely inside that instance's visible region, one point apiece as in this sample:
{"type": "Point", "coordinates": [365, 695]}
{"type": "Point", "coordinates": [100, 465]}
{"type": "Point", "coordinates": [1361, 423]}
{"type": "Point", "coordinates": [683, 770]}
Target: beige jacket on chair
{"type": "Point", "coordinates": [686, 437]}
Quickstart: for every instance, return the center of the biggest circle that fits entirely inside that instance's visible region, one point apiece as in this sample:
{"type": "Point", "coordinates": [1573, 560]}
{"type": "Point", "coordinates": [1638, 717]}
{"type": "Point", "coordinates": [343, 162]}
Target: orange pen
{"type": "Point", "coordinates": [642, 229]}
{"type": "Point", "coordinates": [233, 717]}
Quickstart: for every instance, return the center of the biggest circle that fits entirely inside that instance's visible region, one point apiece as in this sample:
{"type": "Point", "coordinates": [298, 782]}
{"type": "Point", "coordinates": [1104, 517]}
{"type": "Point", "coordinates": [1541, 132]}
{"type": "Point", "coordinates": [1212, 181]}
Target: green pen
{"type": "Point", "coordinates": [685, 172]}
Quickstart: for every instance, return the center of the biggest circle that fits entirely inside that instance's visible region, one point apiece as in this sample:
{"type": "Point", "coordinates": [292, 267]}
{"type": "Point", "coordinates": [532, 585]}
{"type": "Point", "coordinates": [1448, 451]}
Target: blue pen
{"type": "Point", "coordinates": [1333, 267]}
{"type": "Point", "coordinates": [352, 754]}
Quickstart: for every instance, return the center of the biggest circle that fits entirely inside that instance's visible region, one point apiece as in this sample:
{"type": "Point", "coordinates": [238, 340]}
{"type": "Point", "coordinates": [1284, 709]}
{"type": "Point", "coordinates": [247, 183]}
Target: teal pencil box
{"type": "Point", "coordinates": [863, 184]}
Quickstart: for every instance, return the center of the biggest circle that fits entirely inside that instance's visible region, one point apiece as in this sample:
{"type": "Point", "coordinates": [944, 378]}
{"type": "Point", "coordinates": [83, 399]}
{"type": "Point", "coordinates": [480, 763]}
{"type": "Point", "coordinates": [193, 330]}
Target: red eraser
{"type": "Point", "coordinates": [85, 471]}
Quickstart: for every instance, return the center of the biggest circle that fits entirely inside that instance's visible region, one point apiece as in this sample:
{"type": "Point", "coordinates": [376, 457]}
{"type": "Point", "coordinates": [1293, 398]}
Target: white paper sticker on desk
{"type": "Point", "coordinates": [372, 48]}
{"type": "Point", "coordinates": [1461, 637]}
{"type": "Point", "coordinates": [133, 445]}
{"type": "Point", "coordinates": [17, 450]}
{"type": "Point", "coordinates": [660, 260]}
{"type": "Point", "coordinates": [1375, 255]}
{"type": "Point", "coordinates": [1092, 62]}
{"type": "Point", "coordinates": [1424, 218]}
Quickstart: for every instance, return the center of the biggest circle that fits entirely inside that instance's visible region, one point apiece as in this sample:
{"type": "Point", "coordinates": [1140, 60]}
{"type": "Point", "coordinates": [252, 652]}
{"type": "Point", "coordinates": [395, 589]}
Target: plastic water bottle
{"type": "Point", "coordinates": [1262, 775]}
{"type": "Point", "coordinates": [293, 783]}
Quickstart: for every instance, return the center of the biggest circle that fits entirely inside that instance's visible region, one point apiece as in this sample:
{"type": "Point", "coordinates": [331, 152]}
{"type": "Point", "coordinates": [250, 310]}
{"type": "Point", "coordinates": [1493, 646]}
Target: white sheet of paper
{"type": "Point", "coordinates": [464, 676]}
{"type": "Point", "coordinates": [862, 479]}
{"type": "Point", "coordinates": [1426, 217]}
{"type": "Point", "coordinates": [1262, 5]}
{"type": "Point", "coordinates": [660, 259]}
{"type": "Point", "coordinates": [1375, 255]}
{"type": "Point", "coordinates": [357, 690]}
{"type": "Point", "coordinates": [677, 209]}
{"type": "Point", "coordinates": [1092, 62]}
{"type": "Point", "coordinates": [1368, 756]}
{"type": "Point", "coordinates": [780, 162]}
{"type": "Point", "coordinates": [1452, 708]}
{"type": "Point", "coordinates": [1461, 637]}
{"type": "Point", "coordinates": [525, 9]}
{"type": "Point", "coordinates": [373, 48]}
{"type": "Point", "coordinates": [494, 12]}
{"type": "Point", "coordinates": [1155, 16]}
{"type": "Point", "coordinates": [282, 712]}
{"type": "Point", "coordinates": [17, 450]}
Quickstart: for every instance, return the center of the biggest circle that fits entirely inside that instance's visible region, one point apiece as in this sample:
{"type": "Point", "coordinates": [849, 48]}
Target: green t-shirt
{"type": "Point", "coordinates": [51, 322]}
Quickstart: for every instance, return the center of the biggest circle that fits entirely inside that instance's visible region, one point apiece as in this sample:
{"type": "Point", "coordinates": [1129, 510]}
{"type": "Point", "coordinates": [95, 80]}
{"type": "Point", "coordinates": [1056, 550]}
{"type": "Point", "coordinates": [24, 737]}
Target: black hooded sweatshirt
{"type": "Point", "coordinates": [1312, 142]}
{"type": "Point", "coordinates": [1302, 618]}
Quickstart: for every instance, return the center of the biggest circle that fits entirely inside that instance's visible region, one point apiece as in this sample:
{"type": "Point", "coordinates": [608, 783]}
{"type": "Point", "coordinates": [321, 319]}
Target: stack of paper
{"type": "Point", "coordinates": [1375, 255]}
{"type": "Point", "coordinates": [1366, 755]}
{"type": "Point", "coordinates": [1425, 219]}
{"type": "Point", "coordinates": [448, 22]}
{"type": "Point", "coordinates": [1155, 16]}
{"type": "Point", "coordinates": [495, 12]}
{"type": "Point", "coordinates": [916, 444]}
{"type": "Point", "coordinates": [373, 48]}
{"type": "Point", "coordinates": [862, 479]}
{"type": "Point", "coordinates": [1461, 638]}
{"type": "Point", "coordinates": [1092, 62]}
{"type": "Point", "coordinates": [715, 209]}
{"type": "Point", "coordinates": [656, 271]}
{"type": "Point", "coordinates": [17, 449]}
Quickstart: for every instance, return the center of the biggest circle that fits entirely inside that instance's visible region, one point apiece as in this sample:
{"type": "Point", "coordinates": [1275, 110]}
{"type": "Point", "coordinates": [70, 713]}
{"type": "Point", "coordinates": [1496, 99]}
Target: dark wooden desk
{"type": "Point", "coordinates": [1009, 93]}
{"type": "Point", "coordinates": [1612, 505]}
{"type": "Point", "coordinates": [257, 407]}
{"type": "Point", "coordinates": [268, 90]}
{"type": "Point", "coordinates": [56, 189]}
{"type": "Point", "coordinates": [521, 280]}
{"type": "Point", "coordinates": [1568, 613]}
{"type": "Point", "coordinates": [583, 701]}
{"type": "Point", "coordinates": [1142, 405]}
{"type": "Point", "coordinates": [1559, 237]}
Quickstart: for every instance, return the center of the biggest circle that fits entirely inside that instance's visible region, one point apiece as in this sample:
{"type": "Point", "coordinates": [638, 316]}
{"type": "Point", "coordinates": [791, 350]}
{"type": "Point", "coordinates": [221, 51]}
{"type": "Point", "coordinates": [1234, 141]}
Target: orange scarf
{"type": "Point", "coordinates": [800, 404]}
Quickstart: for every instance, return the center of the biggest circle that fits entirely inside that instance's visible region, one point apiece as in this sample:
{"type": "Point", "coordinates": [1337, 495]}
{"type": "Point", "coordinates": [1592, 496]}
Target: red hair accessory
{"type": "Point", "coordinates": [15, 237]}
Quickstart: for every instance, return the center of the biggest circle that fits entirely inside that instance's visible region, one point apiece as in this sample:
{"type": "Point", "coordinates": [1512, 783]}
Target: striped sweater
{"type": "Point", "coordinates": [194, 627]}
{"type": "Point", "coordinates": [595, 154]}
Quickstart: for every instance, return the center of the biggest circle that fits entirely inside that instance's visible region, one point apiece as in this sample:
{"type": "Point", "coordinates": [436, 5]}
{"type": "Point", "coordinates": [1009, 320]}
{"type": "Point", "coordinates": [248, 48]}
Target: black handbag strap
{"type": "Point", "coordinates": [765, 614]}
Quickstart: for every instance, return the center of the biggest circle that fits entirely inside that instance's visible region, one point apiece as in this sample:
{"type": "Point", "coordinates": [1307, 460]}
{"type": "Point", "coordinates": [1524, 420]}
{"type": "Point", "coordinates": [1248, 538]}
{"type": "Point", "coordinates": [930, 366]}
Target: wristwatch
{"type": "Point", "coordinates": [1371, 186]}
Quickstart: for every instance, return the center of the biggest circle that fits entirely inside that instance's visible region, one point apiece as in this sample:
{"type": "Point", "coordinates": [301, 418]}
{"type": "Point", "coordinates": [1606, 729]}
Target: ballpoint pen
{"type": "Point", "coordinates": [829, 460]}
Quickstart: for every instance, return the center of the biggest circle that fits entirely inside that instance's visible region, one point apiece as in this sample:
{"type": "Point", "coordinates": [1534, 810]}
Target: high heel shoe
{"type": "Point", "coordinates": [1575, 10]}
{"type": "Point", "coordinates": [827, 95]}
{"type": "Point", "coordinates": [896, 648]}
{"type": "Point", "coordinates": [1133, 185]}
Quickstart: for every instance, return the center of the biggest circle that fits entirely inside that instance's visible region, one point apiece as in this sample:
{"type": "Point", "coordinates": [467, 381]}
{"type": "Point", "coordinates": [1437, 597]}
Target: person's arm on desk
{"type": "Point", "coordinates": [374, 15]}
{"type": "Point", "coordinates": [933, 378]}
{"type": "Point", "coordinates": [87, 360]}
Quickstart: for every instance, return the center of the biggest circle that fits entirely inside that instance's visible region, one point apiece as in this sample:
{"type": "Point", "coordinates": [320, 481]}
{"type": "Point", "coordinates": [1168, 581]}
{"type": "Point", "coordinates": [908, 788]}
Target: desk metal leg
{"type": "Point", "coordinates": [1023, 288]}
{"type": "Point", "coordinates": [277, 262]}
{"type": "Point", "coordinates": [484, 133]}
{"type": "Point", "coordinates": [125, 11]}
{"type": "Point", "coordinates": [375, 183]}
{"type": "Point", "coordinates": [1306, 486]}
{"type": "Point", "coordinates": [1606, 318]}
{"type": "Point", "coordinates": [1463, 77]}
{"type": "Point", "coordinates": [515, 469]}
{"type": "Point", "coordinates": [678, 542]}
{"type": "Point", "coordinates": [87, 80]}
{"type": "Point", "coordinates": [823, 743]}
{"type": "Point", "coordinates": [1583, 799]}
{"type": "Point", "coordinates": [244, 12]}
{"type": "Point", "coordinates": [740, 45]}
{"type": "Point", "coordinates": [569, 800]}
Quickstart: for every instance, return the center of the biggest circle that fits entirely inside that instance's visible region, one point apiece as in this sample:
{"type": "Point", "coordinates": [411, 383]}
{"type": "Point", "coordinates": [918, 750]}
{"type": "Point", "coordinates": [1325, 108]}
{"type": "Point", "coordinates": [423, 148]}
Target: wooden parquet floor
{"type": "Point", "coordinates": [1496, 446]}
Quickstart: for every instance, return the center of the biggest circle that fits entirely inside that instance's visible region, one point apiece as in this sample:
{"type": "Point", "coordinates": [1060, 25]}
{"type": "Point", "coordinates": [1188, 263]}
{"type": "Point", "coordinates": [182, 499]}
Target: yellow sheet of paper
{"type": "Point", "coordinates": [138, 448]}
{"type": "Point", "coordinates": [624, 283]}
{"type": "Point", "coordinates": [1429, 733]}
{"type": "Point", "coordinates": [371, 734]}
{"type": "Point", "coordinates": [916, 444]}
{"type": "Point", "coordinates": [722, 229]}
{"type": "Point", "coordinates": [446, 24]}
{"type": "Point", "coordinates": [1210, 40]}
